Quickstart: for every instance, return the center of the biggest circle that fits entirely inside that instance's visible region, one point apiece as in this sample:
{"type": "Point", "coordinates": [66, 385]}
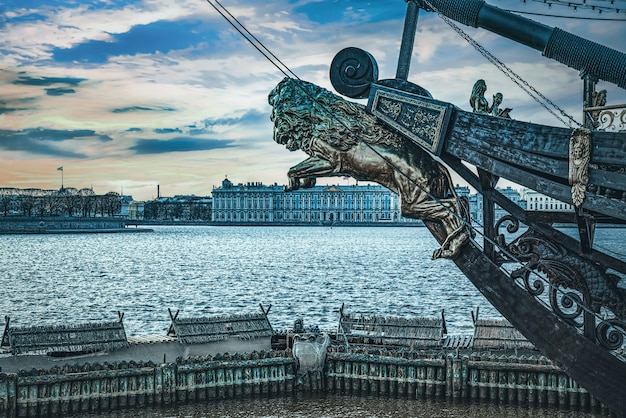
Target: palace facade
{"type": "Point", "coordinates": [256, 203]}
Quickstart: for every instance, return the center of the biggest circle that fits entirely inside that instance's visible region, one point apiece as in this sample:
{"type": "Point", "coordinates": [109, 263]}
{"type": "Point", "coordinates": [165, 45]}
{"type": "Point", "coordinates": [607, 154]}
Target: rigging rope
{"type": "Point", "coordinates": [597, 5]}
{"type": "Point", "coordinates": [610, 19]}
{"type": "Point", "coordinates": [523, 84]}
{"type": "Point", "coordinates": [255, 42]}
{"type": "Point", "coordinates": [259, 46]}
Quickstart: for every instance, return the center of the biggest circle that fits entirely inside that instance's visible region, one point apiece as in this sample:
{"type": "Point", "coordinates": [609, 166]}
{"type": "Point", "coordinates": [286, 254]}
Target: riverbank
{"type": "Point", "coordinates": [150, 222]}
{"type": "Point", "coordinates": [64, 225]}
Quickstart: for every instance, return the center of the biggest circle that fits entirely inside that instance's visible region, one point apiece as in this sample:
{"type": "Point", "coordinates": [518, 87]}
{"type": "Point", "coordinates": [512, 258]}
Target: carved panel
{"type": "Point", "coordinates": [422, 120]}
{"type": "Point", "coordinates": [579, 157]}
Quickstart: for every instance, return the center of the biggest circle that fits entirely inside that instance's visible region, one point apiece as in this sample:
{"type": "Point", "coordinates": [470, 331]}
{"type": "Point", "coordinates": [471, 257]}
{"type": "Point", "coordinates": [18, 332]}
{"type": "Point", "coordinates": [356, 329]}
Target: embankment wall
{"type": "Point", "coordinates": [521, 379]}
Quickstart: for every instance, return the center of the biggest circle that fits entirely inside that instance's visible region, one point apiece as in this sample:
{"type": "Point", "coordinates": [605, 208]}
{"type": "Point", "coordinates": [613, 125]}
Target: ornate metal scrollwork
{"type": "Point", "coordinates": [567, 304]}
{"type": "Point", "coordinates": [577, 289]}
{"type": "Point", "coordinates": [352, 72]}
{"type": "Point", "coordinates": [511, 227]}
{"type": "Point", "coordinates": [612, 120]}
{"type": "Point", "coordinates": [610, 334]}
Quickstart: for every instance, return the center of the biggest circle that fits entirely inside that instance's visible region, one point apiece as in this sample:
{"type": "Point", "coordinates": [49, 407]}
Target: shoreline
{"type": "Point", "coordinates": [76, 231]}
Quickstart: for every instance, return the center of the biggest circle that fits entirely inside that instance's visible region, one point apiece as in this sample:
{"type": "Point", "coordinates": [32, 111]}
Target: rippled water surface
{"type": "Point", "coordinates": [330, 406]}
{"type": "Point", "coordinates": [303, 272]}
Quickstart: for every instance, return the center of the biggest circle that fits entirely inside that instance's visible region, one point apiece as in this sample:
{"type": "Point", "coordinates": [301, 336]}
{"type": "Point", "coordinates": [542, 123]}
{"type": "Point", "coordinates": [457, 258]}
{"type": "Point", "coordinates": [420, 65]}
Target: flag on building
{"type": "Point", "coordinates": [60, 168]}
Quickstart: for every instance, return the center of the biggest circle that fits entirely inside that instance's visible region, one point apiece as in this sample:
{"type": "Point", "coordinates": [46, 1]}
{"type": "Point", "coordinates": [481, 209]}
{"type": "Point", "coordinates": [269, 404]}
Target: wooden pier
{"type": "Point", "coordinates": [521, 379]}
{"type": "Point", "coordinates": [104, 387]}
{"type": "Point", "coordinates": [373, 355]}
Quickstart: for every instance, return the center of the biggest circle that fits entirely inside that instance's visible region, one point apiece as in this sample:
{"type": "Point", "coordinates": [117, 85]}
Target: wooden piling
{"type": "Point", "coordinates": [412, 381]}
{"type": "Point", "coordinates": [169, 383]}
{"type": "Point", "coordinates": [402, 380]}
{"type": "Point", "coordinates": [330, 372]}
{"type": "Point", "coordinates": [393, 379]}
{"type": "Point", "coordinates": [421, 381]}
{"type": "Point", "coordinates": [347, 377]}
{"type": "Point", "coordinates": [374, 373]}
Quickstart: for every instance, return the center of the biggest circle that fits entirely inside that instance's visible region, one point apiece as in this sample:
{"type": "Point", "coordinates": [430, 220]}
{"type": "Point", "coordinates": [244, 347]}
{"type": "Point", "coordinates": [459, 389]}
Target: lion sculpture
{"type": "Point", "coordinates": [342, 139]}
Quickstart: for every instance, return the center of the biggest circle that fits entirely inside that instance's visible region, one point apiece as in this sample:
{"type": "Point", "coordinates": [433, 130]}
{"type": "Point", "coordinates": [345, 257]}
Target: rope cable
{"type": "Point", "coordinates": [566, 17]}
{"type": "Point", "coordinates": [294, 75]}
{"type": "Point", "coordinates": [259, 47]}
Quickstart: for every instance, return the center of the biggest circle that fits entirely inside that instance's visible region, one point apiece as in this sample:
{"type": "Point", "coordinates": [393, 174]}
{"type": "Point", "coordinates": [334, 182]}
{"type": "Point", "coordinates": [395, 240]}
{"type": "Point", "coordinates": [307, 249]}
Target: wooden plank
{"type": "Point", "coordinates": [498, 334]}
{"type": "Point", "coordinates": [607, 206]}
{"type": "Point", "coordinates": [86, 337]}
{"type": "Point", "coordinates": [402, 331]}
{"type": "Point", "coordinates": [536, 163]}
{"type": "Point", "coordinates": [610, 179]}
{"type": "Point", "coordinates": [215, 328]}
{"type": "Point", "coordinates": [609, 148]}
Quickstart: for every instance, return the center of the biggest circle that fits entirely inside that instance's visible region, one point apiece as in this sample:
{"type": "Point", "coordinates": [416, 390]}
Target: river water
{"type": "Point", "coordinates": [339, 406]}
{"type": "Point", "coordinates": [303, 272]}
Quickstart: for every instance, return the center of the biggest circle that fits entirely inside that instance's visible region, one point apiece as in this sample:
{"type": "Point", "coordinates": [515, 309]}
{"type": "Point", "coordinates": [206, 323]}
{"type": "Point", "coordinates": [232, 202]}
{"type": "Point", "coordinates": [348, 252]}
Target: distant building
{"type": "Point", "coordinates": [462, 191]}
{"type": "Point", "coordinates": [66, 201]}
{"type": "Point", "coordinates": [260, 204]}
{"type": "Point", "coordinates": [179, 208]}
{"type": "Point", "coordinates": [536, 201]}
{"type": "Point", "coordinates": [136, 210]}
{"type": "Point", "coordinates": [476, 204]}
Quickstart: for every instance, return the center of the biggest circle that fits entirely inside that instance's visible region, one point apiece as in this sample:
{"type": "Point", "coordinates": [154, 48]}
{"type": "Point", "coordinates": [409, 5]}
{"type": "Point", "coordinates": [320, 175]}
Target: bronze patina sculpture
{"type": "Point", "coordinates": [341, 139]}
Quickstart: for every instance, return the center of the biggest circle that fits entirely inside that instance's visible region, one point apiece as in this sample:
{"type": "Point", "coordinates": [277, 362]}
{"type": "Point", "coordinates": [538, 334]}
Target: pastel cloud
{"type": "Point", "coordinates": [45, 141]}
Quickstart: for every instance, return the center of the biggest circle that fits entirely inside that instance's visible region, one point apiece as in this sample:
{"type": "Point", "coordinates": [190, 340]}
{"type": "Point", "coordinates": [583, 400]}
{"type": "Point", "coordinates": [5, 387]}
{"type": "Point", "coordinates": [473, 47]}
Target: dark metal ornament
{"type": "Point", "coordinates": [352, 71]}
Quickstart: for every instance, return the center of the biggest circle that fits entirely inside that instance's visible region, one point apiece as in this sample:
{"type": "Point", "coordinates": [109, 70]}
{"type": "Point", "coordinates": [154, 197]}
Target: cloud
{"type": "Point", "coordinates": [157, 37]}
{"type": "Point", "coordinates": [59, 91]}
{"type": "Point", "coordinates": [250, 117]}
{"type": "Point", "coordinates": [47, 81]}
{"type": "Point", "coordinates": [42, 134]}
{"type": "Point", "coordinates": [9, 109]}
{"type": "Point", "coordinates": [181, 144]}
{"type": "Point", "coordinates": [142, 109]}
{"type": "Point", "coordinates": [44, 141]}
{"type": "Point", "coordinates": [167, 131]}
{"type": "Point", "coordinates": [350, 11]}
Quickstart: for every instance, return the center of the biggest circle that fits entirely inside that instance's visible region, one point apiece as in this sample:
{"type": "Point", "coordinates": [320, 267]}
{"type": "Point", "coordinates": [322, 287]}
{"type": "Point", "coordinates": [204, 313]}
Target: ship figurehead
{"type": "Point", "coordinates": [343, 139]}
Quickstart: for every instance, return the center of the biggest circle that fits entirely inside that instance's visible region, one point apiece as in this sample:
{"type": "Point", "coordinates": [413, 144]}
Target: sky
{"type": "Point", "coordinates": [128, 95]}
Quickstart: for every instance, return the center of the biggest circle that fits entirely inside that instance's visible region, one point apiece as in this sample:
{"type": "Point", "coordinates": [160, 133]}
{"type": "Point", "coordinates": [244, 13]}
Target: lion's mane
{"type": "Point", "coordinates": [303, 111]}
